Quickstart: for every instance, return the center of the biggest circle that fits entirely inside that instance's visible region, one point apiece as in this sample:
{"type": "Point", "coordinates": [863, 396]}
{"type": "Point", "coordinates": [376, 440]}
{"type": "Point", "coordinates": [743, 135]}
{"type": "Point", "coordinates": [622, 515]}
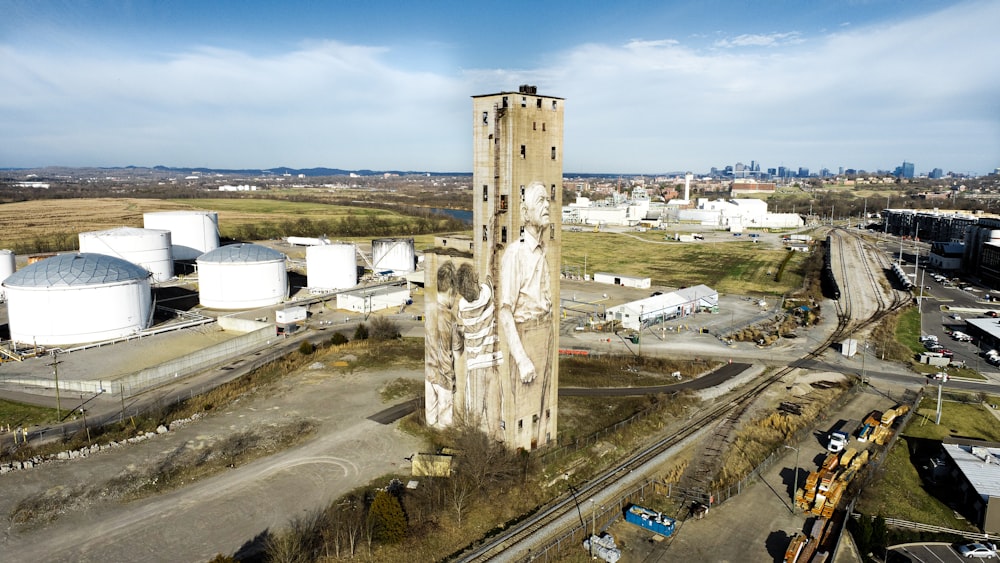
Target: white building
{"type": "Point", "coordinates": [622, 280]}
{"type": "Point", "coordinates": [663, 307]}
{"type": "Point", "coordinates": [374, 298]}
{"type": "Point", "coordinates": [616, 210]}
{"type": "Point", "coordinates": [735, 214]}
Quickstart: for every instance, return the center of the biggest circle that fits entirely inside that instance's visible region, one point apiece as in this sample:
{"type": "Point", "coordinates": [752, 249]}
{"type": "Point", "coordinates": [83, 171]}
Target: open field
{"type": "Point", "coordinates": [968, 420]}
{"type": "Point", "coordinates": [48, 225]}
{"type": "Point", "coordinates": [730, 267]}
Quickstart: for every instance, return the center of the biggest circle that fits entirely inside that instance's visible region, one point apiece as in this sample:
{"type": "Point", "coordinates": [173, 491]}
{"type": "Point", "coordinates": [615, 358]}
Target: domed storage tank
{"type": "Point", "coordinates": [192, 233]}
{"type": "Point", "coordinates": [7, 267]}
{"type": "Point", "coordinates": [149, 248]}
{"type": "Point", "coordinates": [332, 266]}
{"type": "Point", "coordinates": [394, 254]}
{"type": "Point", "coordinates": [242, 276]}
{"type": "Point", "coordinates": [76, 298]}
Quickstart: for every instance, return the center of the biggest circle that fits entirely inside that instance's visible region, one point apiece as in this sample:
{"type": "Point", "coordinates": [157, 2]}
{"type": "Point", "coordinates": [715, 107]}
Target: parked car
{"type": "Point", "coordinates": [946, 352]}
{"type": "Point", "coordinates": [939, 376]}
{"type": "Point", "coordinates": [978, 550]}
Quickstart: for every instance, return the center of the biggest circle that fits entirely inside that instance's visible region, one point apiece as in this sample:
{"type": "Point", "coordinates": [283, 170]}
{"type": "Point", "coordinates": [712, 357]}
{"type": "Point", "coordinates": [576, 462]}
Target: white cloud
{"type": "Point", "coordinates": [761, 40]}
{"type": "Point", "coordinates": [924, 90]}
{"type": "Point", "coordinates": [867, 97]}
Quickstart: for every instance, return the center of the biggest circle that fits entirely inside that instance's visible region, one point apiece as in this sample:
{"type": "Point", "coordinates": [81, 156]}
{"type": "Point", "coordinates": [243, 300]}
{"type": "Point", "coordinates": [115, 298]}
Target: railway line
{"type": "Point", "coordinates": [726, 415]}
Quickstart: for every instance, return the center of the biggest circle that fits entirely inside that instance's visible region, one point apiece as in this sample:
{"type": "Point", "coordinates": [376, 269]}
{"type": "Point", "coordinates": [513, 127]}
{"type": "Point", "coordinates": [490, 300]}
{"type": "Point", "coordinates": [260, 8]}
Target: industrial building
{"type": "Point", "coordinates": [242, 276]}
{"type": "Point", "coordinates": [666, 306]}
{"type": "Point", "coordinates": [192, 233]}
{"type": "Point", "coordinates": [622, 280]}
{"type": "Point", "coordinates": [149, 248]}
{"type": "Point", "coordinates": [370, 299]}
{"type": "Point", "coordinates": [393, 255]}
{"type": "Point", "coordinates": [8, 266]}
{"type": "Point", "coordinates": [77, 297]}
{"type": "Point", "coordinates": [332, 266]}
{"type": "Point", "coordinates": [734, 214]}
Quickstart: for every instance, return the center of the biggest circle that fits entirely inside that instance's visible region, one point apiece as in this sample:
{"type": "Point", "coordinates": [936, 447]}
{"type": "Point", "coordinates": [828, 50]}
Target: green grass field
{"type": "Point", "coordinates": [730, 267]}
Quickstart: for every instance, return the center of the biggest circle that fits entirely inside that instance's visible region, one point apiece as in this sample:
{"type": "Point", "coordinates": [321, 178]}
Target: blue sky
{"type": "Point", "coordinates": [649, 86]}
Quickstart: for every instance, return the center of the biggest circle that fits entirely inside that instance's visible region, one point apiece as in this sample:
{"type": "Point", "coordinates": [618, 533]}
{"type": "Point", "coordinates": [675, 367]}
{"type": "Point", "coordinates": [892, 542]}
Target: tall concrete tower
{"type": "Point", "coordinates": [492, 313]}
{"type": "Point", "coordinates": [517, 157]}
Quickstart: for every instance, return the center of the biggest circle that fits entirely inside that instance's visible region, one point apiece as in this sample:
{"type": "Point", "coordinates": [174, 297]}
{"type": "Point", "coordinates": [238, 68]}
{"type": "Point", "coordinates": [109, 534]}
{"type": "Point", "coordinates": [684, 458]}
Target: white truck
{"type": "Point", "coordinates": [840, 435]}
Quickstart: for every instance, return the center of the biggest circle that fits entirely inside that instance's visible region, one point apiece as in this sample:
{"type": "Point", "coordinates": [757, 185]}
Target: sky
{"type": "Point", "coordinates": [649, 87]}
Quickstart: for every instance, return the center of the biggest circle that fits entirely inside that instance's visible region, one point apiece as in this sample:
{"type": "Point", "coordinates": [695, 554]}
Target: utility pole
{"type": "Point", "coordinates": [55, 365]}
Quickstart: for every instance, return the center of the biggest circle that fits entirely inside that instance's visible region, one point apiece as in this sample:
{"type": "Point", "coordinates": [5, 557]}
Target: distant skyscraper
{"type": "Point", "coordinates": [803, 172]}
{"type": "Point", "coordinates": [783, 172]}
{"type": "Point", "coordinates": [936, 174]}
{"type": "Point", "coordinates": [906, 170]}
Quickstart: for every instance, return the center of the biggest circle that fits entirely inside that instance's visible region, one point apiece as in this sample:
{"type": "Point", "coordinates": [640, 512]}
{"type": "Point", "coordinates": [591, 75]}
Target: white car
{"type": "Point", "coordinates": [978, 550]}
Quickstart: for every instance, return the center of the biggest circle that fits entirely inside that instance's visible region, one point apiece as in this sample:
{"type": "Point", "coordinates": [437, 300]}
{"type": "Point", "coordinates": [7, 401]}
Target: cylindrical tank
{"type": "Point", "coordinates": [149, 248]}
{"type": "Point", "coordinates": [242, 276]}
{"type": "Point", "coordinates": [7, 267]}
{"type": "Point", "coordinates": [76, 298]}
{"type": "Point", "coordinates": [192, 233]}
{"type": "Point", "coordinates": [394, 254]}
{"type": "Point", "coordinates": [332, 266]}
{"type": "Point", "coordinates": [995, 236]}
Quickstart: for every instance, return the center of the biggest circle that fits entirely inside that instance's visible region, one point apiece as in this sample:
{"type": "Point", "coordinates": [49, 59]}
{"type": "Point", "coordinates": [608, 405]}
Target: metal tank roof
{"type": "Point", "coordinates": [242, 253]}
{"type": "Point", "coordinates": [125, 232]}
{"type": "Point", "coordinates": [76, 269]}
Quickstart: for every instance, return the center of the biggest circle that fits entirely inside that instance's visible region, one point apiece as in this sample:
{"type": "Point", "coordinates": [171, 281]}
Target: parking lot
{"type": "Point", "coordinates": [937, 552]}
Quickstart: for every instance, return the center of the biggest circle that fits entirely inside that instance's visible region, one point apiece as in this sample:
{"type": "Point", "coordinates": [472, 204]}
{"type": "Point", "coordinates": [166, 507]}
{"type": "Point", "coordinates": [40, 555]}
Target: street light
{"type": "Point", "coordinates": [795, 477]}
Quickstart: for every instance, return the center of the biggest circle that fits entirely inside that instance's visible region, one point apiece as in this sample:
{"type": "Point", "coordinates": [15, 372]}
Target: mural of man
{"type": "Point", "coordinates": [525, 312]}
{"type": "Point", "coordinates": [477, 322]}
{"type": "Point", "coordinates": [439, 382]}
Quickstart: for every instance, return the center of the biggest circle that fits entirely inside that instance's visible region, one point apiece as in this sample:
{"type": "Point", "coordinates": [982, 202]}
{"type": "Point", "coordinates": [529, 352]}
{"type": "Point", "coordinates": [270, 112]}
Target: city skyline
{"type": "Point", "coordinates": [378, 86]}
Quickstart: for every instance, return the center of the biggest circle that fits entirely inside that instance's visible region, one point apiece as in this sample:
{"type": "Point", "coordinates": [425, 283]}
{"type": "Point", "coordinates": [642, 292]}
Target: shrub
{"type": "Point", "coordinates": [306, 348]}
{"type": "Point", "coordinates": [361, 333]}
{"type": "Point", "coordinates": [386, 519]}
{"type": "Point", "coordinates": [384, 328]}
{"type": "Point", "coordinates": [337, 339]}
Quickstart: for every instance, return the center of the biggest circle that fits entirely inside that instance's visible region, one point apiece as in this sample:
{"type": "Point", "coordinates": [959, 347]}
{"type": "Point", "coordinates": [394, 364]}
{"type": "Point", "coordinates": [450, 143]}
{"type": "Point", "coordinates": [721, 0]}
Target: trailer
{"type": "Point", "coordinates": [651, 520]}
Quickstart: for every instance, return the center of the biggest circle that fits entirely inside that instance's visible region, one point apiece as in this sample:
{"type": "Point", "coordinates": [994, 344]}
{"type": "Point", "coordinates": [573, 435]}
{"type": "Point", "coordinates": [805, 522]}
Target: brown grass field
{"type": "Point", "coordinates": [731, 267]}
{"type": "Point", "coordinates": [62, 220]}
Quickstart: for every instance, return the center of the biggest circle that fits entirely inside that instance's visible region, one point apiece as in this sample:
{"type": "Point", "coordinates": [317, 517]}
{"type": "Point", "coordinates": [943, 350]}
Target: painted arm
{"type": "Point", "coordinates": [525, 367]}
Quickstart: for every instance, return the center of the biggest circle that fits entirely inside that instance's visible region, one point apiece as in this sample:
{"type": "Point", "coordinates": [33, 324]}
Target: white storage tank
{"type": "Point", "coordinates": [7, 267]}
{"type": "Point", "coordinates": [76, 298]}
{"type": "Point", "coordinates": [242, 276]}
{"type": "Point", "coordinates": [149, 248]}
{"type": "Point", "coordinates": [332, 266]}
{"type": "Point", "coordinates": [192, 233]}
{"type": "Point", "coordinates": [394, 254]}
{"type": "Point", "coordinates": [995, 236]}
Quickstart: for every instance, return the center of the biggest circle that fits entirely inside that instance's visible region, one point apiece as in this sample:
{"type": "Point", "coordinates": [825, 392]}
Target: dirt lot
{"type": "Point", "coordinates": [219, 514]}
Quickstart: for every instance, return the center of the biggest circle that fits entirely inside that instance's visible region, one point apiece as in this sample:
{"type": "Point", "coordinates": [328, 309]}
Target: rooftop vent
{"type": "Point", "coordinates": [526, 89]}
